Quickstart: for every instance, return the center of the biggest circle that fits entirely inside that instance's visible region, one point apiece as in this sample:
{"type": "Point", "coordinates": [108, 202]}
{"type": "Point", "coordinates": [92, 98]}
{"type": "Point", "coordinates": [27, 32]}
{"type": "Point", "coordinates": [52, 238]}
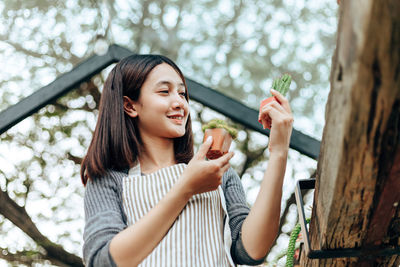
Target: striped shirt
{"type": "Point", "coordinates": [105, 217]}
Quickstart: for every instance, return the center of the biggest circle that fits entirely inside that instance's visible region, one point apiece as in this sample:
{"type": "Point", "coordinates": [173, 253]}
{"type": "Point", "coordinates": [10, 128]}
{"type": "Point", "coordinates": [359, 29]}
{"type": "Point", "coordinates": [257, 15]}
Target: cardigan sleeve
{"type": "Point", "coordinates": [238, 210]}
{"type": "Point", "coordinates": [104, 218]}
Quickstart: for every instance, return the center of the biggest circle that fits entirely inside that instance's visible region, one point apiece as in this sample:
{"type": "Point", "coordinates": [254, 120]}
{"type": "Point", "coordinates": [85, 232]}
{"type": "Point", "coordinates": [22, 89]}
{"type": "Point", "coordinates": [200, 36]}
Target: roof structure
{"type": "Point", "coordinates": [213, 99]}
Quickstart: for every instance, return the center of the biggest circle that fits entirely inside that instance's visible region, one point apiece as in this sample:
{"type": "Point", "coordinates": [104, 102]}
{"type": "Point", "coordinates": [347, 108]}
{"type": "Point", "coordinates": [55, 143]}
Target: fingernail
{"type": "Point", "coordinates": [273, 90]}
{"type": "Point", "coordinates": [209, 139]}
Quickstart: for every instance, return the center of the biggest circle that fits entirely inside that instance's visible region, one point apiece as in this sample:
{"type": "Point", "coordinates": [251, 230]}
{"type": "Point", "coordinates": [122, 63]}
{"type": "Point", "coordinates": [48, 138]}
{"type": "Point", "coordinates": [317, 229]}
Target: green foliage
{"type": "Point", "coordinates": [217, 123]}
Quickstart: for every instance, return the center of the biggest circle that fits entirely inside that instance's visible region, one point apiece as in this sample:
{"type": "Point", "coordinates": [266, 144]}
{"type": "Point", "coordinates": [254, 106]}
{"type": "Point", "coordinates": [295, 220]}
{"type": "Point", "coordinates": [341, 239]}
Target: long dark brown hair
{"type": "Point", "coordinates": [116, 142]}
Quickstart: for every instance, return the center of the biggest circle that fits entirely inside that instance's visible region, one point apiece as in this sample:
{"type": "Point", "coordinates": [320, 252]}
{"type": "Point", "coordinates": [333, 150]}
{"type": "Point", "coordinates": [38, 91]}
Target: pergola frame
{"type": "Point", "coordinates": [213, 99]}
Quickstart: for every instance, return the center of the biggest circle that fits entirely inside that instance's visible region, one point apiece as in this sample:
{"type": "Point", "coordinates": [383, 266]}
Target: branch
{"type": "Point", "coordinates": [19, 217]}
{"type": "Point", "coordinates": [93, 90]}
{"type": "Point", "coordinates": [76, 160]}
{"type": "Point", "coordinates": [251, 157]}
{"type": "Point", "coordinates": [140, 25]}
{"type": "Point", "coordinates": [27, 258]}
{"type": "Point", "coordinates": [20, 48]}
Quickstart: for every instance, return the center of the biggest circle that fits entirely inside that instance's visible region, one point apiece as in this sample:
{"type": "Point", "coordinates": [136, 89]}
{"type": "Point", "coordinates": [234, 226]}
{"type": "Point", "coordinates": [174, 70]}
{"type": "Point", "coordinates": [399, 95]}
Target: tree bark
{"type": "Point", "coordinates": [358, 176]}
{"type": "Point", "coordinates": [18, 216]}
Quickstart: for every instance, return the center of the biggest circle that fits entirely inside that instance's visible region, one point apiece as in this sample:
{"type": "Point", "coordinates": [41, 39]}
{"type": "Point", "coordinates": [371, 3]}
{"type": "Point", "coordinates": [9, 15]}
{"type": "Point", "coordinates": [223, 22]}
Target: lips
{"type": "Point", "coordinates": [176, 116]}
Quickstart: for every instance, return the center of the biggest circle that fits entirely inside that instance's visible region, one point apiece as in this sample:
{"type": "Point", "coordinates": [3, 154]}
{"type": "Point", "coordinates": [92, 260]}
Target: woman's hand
{"type": "Point", "coordinates": [203, 175]}
{"type": "Point", "coordinates": [278, 117]}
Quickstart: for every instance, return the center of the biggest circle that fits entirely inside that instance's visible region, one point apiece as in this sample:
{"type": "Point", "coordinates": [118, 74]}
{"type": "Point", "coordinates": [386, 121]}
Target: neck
{"type": "Point", "coordinates": [157, 153]}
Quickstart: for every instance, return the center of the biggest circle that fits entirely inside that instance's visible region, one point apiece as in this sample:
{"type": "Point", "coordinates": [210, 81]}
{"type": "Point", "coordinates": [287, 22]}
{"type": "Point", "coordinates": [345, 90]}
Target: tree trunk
{"type": "Point", "coordinates": [358, 176]}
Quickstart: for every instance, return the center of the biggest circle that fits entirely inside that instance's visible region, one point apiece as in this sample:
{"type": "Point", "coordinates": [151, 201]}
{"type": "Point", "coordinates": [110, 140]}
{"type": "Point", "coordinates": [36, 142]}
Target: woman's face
{"type": "Point", "coordinates": [162, 109]}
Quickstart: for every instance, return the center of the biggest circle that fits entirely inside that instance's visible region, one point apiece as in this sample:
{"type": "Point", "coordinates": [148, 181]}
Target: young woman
{"type": "Point", "coordinates": [149, 200]}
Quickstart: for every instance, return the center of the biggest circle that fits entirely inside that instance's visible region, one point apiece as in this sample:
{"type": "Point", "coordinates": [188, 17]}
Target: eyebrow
{"type": "Point", "coordinates": [170, 83]}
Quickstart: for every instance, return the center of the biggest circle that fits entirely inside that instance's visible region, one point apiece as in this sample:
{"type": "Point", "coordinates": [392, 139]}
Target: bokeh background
{"type": "Point", "coordinates": [236, 47]}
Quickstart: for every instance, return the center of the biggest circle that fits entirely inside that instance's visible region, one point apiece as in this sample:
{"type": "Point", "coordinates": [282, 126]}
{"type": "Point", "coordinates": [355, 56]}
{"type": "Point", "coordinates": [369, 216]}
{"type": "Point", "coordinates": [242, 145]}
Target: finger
{"type": "Point", "coordinates": [264, 123]}
{"type": "Point", "coordinates": [283, 101]}
{"type": "Point", "coordinates": [278, 95]}
{"type": "Point", "coordinates": [204, 147]}
{"type": "Point", "coordinates": [272, 114]}
{"type": "Point", "coordinates": [264, 117]}
{"type": "Point", "coordinates": [266, 113]}
{"type": "Point", "coordinates": [225, 168]}
{"type": "Point", "coordinates": [273, 111]}
{"type": "Point", "coordinates": [273, 99]}
{"type": "Point", "coordinates": [225, 158]}
{"type": "Point", "coordinates": [265, 120]}
{"type": "Point", "coordinates": [269, 124]}
{"type": "Point", "coordinates": [279, 107]}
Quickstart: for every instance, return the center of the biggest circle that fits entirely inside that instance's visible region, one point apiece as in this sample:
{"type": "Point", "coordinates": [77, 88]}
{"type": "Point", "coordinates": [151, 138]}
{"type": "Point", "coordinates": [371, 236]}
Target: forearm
{"type": "Point", "coordinates": [132, 245]}
{"type": "Point", "coordinates": [261, 225]}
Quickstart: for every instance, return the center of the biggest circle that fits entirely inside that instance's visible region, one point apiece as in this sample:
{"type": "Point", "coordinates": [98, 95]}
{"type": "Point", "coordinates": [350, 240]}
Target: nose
{"type": "Point", "coordinates": [178, 101]}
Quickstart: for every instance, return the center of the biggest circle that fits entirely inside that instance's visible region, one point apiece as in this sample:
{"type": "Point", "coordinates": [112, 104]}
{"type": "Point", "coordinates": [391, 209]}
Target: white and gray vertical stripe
{"type": "Point", "coordinates": [197, 236]}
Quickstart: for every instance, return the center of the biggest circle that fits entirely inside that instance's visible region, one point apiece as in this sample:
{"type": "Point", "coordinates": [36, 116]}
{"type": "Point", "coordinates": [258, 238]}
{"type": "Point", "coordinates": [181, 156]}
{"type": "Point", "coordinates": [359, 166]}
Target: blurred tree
{"type": "Point", "coordinates": [236, 47]}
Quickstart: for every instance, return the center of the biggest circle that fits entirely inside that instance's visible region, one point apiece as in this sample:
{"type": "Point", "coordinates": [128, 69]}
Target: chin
{"type": "Point", "coordinates": [180, 134]}
{"type": "Point", "coordinates": [177, 134]}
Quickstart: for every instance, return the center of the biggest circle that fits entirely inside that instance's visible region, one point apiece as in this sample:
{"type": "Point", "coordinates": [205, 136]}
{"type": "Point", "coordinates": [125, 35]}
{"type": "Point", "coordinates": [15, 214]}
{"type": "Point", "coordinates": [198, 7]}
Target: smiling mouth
{"type": "Point", "coordinates": [176, 119]}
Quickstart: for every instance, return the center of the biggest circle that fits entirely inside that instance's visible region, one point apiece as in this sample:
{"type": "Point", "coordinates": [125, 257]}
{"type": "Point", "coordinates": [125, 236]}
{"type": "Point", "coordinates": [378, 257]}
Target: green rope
{"type": "Point", "coordinates": [292, 244]}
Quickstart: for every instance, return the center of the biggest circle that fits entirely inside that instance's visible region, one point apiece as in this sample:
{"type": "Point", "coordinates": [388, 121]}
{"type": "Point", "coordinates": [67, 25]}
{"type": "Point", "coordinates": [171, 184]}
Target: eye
{"type": "Point", "coordinates": [164, 91]}
{"type": "Point", "coordinates": [183, 94]}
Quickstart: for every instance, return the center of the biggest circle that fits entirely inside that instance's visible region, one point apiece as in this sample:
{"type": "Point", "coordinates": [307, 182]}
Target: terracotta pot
{"type": "Point", "coordinates": [221, 142]}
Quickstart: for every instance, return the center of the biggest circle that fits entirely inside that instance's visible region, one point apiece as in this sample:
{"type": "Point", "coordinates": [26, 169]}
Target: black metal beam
{"type": "Point", "coordinates": [47, 94]}
{"type": "Point", "coordinates": [93, 65]}
{"type": "Point", "coordinates": [247, 116]}
{"type": "Point", "coordinates": [118, 52]}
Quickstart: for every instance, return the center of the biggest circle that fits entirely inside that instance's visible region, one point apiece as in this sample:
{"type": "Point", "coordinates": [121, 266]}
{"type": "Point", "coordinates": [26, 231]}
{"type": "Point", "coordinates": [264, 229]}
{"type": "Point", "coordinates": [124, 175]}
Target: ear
{"type": "Point", "coordinates": [129, 107]}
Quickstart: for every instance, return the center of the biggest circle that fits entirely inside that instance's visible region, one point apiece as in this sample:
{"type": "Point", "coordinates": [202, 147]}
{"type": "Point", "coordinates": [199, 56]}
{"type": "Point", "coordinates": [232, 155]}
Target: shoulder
{"type": "Point", "coordinates": [111, 179]}
{"type": "Point", "coordinates": [104, 193]}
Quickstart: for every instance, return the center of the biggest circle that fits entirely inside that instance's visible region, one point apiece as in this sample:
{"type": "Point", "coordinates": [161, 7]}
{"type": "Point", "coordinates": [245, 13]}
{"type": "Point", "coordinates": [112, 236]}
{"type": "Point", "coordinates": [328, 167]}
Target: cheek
{"type": "Point", "coordinates": [156, 105]}
{"type": "Point", "coordinates": [187, 115]}
{"type": "Point", "coordinates": [186, 108]}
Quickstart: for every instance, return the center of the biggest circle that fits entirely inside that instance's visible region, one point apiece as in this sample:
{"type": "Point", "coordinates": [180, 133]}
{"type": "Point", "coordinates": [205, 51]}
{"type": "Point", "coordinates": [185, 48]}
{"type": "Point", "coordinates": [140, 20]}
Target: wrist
{"type": "Point", "coordinates": [281, 153]}
{"type": "Point", "coordinates": [183, 189]}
